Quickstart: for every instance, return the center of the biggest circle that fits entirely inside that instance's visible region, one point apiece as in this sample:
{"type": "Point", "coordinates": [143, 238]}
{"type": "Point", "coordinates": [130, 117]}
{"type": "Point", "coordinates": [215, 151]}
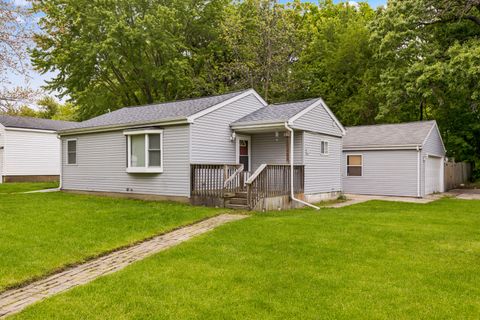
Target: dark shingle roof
{"type": "Point", "coordinates": [276, 112]}
{"type": "Point", "coordinates": [155, 112]}
{"type": "Point", "coordinates": [33, 123]}
{"type": "Point", "coordinates": [403, 134]}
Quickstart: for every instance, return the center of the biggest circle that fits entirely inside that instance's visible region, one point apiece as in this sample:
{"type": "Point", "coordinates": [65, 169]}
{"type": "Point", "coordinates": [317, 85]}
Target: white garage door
{"type": "Point", "coordinates": [433, 173]}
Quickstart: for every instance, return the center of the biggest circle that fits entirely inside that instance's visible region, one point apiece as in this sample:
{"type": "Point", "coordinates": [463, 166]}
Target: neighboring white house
{"type": "Point", "coordinates": [29, 149]}
{"type": "Point", "coordinates": [404, 159]}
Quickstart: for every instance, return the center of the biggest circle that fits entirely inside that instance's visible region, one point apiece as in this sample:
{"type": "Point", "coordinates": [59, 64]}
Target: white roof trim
{"type": "Point", "coordinates": [29, 130]}
{"type": "Point", "coordinates": [439, 134]}
{"type": "Point", "coordinates": [317, 103]}
{"type": "Point", "coordinates": [197, 115]}
{"type": "Point", "coordinates": [171, 122]}
{"type": "Point", "coordinates": [257, 124]}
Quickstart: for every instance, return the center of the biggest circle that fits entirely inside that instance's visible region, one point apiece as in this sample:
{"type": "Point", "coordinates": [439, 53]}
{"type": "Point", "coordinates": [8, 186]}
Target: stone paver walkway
{"type": "Point", "coordinates": [16, 300]}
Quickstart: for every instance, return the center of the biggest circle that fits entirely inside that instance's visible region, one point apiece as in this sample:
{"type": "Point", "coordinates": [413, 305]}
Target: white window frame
{"type": "Point", "coordinates": [76, 152]}
{"type": "Point", "coordinates": [326, 147]}
{"type": "Point", "coordinates": [147, 168]}
{"type": "Point", "coordinates": [346, 164]}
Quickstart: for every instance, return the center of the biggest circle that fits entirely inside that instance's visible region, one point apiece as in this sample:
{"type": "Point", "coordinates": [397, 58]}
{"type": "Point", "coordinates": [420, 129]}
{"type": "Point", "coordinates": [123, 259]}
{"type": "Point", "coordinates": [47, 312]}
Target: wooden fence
{"type": "Point", "coordinates": [456, 174]}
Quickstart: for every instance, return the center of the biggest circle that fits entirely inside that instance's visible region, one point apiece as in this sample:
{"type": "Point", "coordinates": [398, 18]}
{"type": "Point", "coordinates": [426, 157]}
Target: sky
{"type": "Point", "coordinates": [36, 80]}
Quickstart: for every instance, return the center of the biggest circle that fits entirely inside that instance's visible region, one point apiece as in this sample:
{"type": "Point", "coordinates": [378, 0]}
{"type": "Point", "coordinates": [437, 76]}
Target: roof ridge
{"type": "Point", "coordinates": [290, 102]}
{"type": "Point", "coordinates": [182, 100]}
{"type": "Point", "coordinates": [390, 124]}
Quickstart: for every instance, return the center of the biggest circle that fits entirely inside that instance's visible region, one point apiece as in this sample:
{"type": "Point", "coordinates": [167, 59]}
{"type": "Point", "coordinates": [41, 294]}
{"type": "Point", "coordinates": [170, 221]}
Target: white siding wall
{"type": "Point", "coordinates": [31, 153]}
{"type": "Point", "coordinates": [101, 165]}
{"type": "Point", "coordinates": [267, 149]}
{"type": "Point", "coordinates": [210, 134]}
{"type": "Point", "coordinates": [317, 120]}
{"type": "Point", "coordinates": [392, 173]}
{"type": "Point", "coordinates": [322, 172]}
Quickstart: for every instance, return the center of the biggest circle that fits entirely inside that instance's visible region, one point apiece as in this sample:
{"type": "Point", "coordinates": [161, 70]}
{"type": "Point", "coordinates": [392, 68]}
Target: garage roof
{"type": "Point", "coordinates": [410, 134]}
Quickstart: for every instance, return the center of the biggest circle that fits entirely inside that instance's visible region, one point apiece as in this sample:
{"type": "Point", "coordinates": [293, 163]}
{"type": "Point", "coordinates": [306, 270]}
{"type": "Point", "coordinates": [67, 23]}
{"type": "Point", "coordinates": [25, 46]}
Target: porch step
{"type": "Point", "coordinates": [242, 201]}
{"type": "Point", "coordinates": [237, 206]}
{"type": "Point", "coordinates": [242, 194]}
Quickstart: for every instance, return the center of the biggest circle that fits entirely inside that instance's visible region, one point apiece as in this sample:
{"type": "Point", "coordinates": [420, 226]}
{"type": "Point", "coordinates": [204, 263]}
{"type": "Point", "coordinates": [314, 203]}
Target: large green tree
{"type": "Point", "coordinates": [337, 61]}
{"type": "Point", "coordinates": [114, 53]}
{"type": "Point", "coordinates": [430, 53]}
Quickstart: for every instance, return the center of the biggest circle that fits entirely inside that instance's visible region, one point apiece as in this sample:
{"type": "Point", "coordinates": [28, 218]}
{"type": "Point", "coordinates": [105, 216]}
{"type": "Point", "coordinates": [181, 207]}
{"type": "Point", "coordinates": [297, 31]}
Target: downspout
{"type": "Point", "coordinates": [60, 185]}
{"type": "Point", "coordinates": [418, 172]}
{"type": "Point", "coordinates": [292, 191]}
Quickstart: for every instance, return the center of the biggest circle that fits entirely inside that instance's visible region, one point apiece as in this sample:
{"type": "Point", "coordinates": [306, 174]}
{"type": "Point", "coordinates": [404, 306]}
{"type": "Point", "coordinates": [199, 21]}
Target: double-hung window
{"type": "Point", "coordinates": [324, 148]}
{"type": "Point", "coordinates": [72, 151]}
{"type": "Point", "coordinates": [145, 151]}
{"type": "Point", "coordinates": [354, 165]}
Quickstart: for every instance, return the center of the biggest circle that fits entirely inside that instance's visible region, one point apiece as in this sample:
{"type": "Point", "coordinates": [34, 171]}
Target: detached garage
{"type": "Point", "coordinates": [394, 159]}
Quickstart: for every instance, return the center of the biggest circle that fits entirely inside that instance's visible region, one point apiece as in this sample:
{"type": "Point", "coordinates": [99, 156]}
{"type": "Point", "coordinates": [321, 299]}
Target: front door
{"type": "Point", "coordinates": [243, 152]}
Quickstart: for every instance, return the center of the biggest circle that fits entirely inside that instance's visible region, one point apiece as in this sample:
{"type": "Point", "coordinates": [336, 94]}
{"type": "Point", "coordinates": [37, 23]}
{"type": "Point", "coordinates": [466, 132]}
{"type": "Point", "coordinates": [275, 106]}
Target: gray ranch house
{"type": "Point", "coordinates": [404, 159]}
{"type": "Point", "coordinates": [229, 150]}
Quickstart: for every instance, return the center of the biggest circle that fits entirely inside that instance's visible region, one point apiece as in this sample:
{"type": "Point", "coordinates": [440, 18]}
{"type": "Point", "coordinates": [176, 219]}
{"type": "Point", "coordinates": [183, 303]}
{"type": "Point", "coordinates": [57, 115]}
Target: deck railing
{"type": "Point", "coordinates": [273, 181]}
{"type": "Point", "coordinates": [225, 180]}
{"type": "Point", "coordinates": [215, 180]}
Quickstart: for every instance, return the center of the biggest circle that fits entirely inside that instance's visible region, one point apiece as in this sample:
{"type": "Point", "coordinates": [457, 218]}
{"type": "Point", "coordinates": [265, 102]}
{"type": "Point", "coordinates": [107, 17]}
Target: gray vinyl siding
{"type": "Point", "coordinates": [432, 147]}
{"type": "Point", "coordinates": [210, 134]}
{"type": "Point", "coordinates": [270, 150]}
{"type": "Point", "coordinates": [317, 120]}
{"type": "Point", "coordinates": [391, 172]}
{"type": "Point", "coordinates": [102, 160]}
{"type": "Point", "coordinates": [322, 172]}
{"type": "Point", "coordinates": [433, 144]}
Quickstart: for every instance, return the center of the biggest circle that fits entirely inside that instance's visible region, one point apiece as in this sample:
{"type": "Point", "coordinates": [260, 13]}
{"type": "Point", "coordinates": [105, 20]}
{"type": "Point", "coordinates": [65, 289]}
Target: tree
{"type": "Point", "coordinates": [337, 62]}
{"type": "Point", "coordinates": [262, 43]}
{"type": "Point", "coordinates": [14, 39]}
{"type": "Point", "coordinates": [429, 50]}
{"type": "Point", "coordinates": [116, 53]}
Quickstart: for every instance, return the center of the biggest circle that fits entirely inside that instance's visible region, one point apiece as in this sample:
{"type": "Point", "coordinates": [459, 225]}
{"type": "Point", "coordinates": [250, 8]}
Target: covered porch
{"type": "Point", "coordinates": [260, 178]}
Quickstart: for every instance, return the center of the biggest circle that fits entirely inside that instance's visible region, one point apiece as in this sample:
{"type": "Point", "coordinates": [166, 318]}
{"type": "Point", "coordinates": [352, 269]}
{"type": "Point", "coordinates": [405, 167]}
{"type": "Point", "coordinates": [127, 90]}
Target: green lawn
{"type": "Point", "coordinates": [40, 233]}
{"type": "Point", "coordinates": [376, 260]}
{"type": "Point", "coordinates": [26, 186]}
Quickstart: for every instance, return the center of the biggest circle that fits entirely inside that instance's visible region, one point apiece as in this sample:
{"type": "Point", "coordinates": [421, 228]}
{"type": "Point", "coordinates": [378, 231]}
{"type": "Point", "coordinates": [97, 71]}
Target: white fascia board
{"type": "Point", "coordinates": [170, 122]}
{"type": "Point", "coordinates": [435, 126]}
{"type": "Point", "coordinates": [317, 103]}
{"type": "Point", "coordinates": [29, 130]}
{"type": "Point", "coordinates": [258, 125]}
{"type": "Point", "coordinates": [372, 148]}
{"type": "Point", "coordinates": [197, 115]}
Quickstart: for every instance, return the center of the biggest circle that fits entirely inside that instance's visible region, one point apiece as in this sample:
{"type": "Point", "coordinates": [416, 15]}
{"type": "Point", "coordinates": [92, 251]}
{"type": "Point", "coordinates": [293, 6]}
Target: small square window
{"type": "Point", "coordinates": [324, 147]}
{"type": "Point", "coordinates": [354, 165]}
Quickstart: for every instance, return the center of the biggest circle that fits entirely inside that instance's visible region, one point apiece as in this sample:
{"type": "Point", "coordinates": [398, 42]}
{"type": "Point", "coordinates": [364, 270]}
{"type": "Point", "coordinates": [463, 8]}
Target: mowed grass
{"type": "Point", "coordinates": [376, 260]}
{"type": "Point", "coordinates": [26, 186]}
{"type": "Point", "coordinates": [40, 233]}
